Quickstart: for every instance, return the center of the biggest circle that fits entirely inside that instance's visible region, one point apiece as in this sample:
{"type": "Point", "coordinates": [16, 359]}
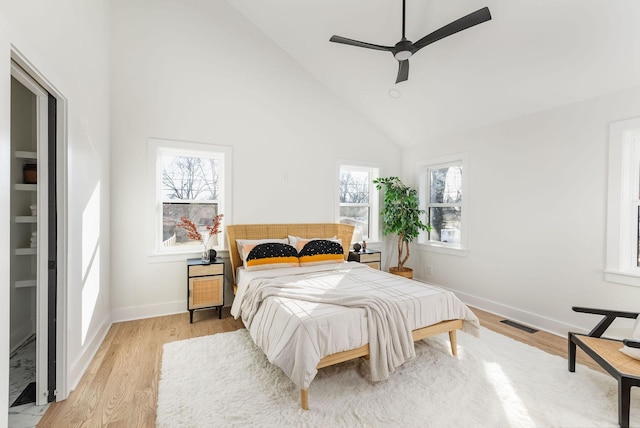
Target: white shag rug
{"type": "Point", "coordinates": [225, 380]}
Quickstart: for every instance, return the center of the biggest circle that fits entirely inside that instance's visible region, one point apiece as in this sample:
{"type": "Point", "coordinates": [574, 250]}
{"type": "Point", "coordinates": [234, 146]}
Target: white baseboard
{"type": "Point", "coordinates": [148, 311]}
{"type": "Point", "coordinates": [80, 365]}
{"type": "Point", "coordinates": [518, 315]}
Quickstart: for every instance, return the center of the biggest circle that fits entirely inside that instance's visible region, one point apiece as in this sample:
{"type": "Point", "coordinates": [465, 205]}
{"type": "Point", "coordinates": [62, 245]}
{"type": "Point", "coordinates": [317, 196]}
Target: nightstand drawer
{"type": "Point", "coordinates": [368, 258]}
{"type": "Point", "coordinates": [202, 270]}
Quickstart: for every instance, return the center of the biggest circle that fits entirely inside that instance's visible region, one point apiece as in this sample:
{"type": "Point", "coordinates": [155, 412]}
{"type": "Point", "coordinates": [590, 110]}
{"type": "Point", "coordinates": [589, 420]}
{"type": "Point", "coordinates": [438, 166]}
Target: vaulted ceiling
{"type": "Point", "coordinates": [532, 56]}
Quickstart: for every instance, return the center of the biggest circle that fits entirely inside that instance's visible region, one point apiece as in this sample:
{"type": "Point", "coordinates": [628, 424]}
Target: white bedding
{"type": "Point", "coordinates": [296, 334]}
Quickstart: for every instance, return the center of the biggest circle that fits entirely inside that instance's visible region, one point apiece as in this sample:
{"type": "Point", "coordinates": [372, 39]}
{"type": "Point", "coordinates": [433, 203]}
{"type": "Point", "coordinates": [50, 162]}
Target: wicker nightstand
{"type": "Point", "coordinates": [205, 286]}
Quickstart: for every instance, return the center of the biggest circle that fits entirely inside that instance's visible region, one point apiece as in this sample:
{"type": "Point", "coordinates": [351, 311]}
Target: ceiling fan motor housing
{"type": "Point", "coordinates": [403, 50]}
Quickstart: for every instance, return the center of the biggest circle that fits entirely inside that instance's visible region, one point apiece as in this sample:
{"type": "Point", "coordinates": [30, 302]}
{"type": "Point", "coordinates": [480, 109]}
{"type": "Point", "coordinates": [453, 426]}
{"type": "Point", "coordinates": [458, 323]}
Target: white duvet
{"type": "Point", "coordinates": [299, 315]}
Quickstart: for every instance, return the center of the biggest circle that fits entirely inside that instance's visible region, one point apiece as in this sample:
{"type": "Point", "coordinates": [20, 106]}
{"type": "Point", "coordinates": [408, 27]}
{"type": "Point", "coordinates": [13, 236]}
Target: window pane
{"type": "Point", "coordinates": [189, 178]}
{"type": "Point", "coordinates": [446, 224]}
{"type": "Point", "coordinates": [200, 214]}
{"type": "Point", "coordinates": [446, 185]}
{"type": "Point", "coordinates": [354, 187]}
{"type": "Point", "coordinates": [359, 218]}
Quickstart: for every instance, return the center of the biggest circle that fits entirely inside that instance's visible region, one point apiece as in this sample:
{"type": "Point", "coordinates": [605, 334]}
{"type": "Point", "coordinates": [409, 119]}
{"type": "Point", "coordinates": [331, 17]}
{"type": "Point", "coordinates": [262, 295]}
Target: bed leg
{"type": "Point", "coordinates": [304, 399]}
{"type": "Point", "coordinates": [454, 342]}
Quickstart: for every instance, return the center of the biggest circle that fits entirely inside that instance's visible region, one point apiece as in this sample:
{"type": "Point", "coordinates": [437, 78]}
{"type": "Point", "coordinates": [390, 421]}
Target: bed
{"type": "Point", "coordinates": [313, 315]}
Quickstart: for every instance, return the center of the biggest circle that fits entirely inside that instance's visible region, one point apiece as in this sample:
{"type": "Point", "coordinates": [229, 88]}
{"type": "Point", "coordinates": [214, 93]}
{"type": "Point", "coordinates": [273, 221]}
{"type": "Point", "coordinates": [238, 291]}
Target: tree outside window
{"type": "Point", "coordinates": [189, 189]}
{"type": "Point", "coordinates": [189, 180]}
{"type": "Point", "coordinates": [442, 195]}
{"type": "Point", "coordinates": [357, 204]}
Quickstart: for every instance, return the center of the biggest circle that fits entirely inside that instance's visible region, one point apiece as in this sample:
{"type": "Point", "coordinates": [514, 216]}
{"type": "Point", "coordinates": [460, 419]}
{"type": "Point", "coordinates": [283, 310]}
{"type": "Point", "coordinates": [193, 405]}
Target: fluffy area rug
{"type": "Point", "coordinates": [225, 380]}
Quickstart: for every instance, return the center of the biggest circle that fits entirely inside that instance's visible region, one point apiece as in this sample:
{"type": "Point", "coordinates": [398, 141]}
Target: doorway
{"type": "Point", "coordinates": [33, 241]}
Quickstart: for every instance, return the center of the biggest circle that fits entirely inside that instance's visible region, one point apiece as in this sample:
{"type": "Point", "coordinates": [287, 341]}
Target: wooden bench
{"type": "Point", "coordinates": [606, 352]}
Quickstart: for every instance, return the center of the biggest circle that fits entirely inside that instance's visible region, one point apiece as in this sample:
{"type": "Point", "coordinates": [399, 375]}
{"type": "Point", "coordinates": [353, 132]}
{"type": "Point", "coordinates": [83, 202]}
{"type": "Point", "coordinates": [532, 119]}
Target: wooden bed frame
{"type": "Point", "coordinates": [324, 230]}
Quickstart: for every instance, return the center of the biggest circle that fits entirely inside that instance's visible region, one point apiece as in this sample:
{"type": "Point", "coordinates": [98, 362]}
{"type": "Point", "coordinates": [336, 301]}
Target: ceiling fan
{"type": "Point", "coordinates": [404, 49]}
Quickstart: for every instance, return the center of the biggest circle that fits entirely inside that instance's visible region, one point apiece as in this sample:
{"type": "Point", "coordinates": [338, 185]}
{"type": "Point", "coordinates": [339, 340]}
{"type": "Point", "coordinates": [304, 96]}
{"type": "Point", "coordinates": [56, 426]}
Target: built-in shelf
{"type": "Point", "coordinates": [26, 219]}
{"type": "Point", "coordinates": [26, 251]}
{"type": "Point", "coordinates": [25, 283]}
{"type": "Point", "coordinates": [26, 155]}
{"type": "Point", "coordinates": [27, 187]}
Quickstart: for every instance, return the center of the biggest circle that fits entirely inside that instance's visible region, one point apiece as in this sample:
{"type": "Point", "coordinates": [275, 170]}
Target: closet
{"type": "Point", "coordinates": [32, 242]}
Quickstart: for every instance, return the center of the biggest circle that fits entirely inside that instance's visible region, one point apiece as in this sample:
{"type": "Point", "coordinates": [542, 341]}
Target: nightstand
{"type": "Point", "coordinates": [368, 257]}
{"type": "Point", "coordinates": [205, 286]}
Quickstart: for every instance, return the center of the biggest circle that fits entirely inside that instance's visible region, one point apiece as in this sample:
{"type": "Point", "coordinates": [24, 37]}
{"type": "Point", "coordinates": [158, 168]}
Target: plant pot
{"type": "Point", "coordinates": [404, 272]}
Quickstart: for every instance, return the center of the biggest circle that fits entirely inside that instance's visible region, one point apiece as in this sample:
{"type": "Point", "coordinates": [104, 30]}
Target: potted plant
{"type": "Point", "coordinates": [401, 216]}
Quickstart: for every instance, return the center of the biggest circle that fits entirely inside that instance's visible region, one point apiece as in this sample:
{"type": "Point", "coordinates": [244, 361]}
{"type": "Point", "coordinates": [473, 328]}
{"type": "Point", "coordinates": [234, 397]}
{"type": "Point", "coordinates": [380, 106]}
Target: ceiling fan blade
{"type": "Point", "coordinates": [475, 18]}
{"type": "Point", "coordinates": [403, 71]}
{"type": "Point", "coordinates": [345, 41]}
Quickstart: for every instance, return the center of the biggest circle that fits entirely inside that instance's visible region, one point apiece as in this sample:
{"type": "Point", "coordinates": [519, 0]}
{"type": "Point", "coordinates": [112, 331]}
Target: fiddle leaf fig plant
{"type": "Point", "coordinates": [401, 215]}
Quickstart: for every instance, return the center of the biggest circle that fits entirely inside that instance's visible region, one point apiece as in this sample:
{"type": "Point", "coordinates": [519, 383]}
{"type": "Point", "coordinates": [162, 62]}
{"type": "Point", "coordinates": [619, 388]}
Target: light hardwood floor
{"type": "Point", "coordinates": [120, 386]}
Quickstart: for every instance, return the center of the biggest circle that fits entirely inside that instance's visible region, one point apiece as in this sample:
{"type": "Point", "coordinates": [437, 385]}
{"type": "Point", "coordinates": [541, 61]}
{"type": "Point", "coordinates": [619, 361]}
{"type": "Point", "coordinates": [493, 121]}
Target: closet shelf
{"type": "Point", "coordinates": [27, 187]}
{"type": "Point", "coordinates": [26, 155]}
{"type": "Point", "coordinates": [25, 283]}
{"type": "Point", "coordinates": [26, 219]}
{"type": "Point", "coordinates": [26, 251]}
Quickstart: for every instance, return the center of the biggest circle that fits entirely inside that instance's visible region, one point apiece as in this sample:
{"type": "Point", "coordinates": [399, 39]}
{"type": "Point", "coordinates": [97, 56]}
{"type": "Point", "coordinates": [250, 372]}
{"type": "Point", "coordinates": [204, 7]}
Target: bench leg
{"type": "Point", "coordinates": [572, 354]}
{"type": "Point", "coordinates": [624, 402]}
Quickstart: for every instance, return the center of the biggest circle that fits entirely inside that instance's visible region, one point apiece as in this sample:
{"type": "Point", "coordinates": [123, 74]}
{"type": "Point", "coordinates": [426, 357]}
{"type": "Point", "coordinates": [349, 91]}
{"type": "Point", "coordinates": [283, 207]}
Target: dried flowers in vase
{"type": "Point", "coordinates": [192, 232]}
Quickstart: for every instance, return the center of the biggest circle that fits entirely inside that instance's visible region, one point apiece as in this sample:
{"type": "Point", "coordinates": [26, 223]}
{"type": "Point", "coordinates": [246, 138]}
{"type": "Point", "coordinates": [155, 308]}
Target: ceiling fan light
{"type": "Point", "coordinates": [403, 55]}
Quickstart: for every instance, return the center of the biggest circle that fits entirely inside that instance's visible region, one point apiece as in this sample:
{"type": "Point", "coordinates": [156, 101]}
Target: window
{"type": "Point", "coordinates": [623, 217]}
{"type": "Point", "coordinates": [358, 201]}
{"type": "Point", "coordinates": [442, 195]}
{"type": "Point", "coordinates": [188, 180]}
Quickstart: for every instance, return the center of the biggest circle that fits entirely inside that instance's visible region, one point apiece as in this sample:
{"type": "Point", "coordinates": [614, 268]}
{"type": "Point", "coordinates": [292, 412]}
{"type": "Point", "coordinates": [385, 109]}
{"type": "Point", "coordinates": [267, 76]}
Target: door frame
{"type": "Point", "coordinates": [61, 391]}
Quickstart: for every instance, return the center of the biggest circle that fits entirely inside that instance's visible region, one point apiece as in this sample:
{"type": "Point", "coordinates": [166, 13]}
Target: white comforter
{"type": "Point", "coordinates": [300, 315]}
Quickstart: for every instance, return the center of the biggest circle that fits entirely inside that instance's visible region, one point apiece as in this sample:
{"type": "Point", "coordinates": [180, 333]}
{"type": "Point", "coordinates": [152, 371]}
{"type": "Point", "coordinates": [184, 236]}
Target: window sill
{"type": "Point", "coordinates": [443, 249]}
{"type": "Point", "coordinates": [180, 257]}
{"type": "Point", "coordinates": [626, 278]}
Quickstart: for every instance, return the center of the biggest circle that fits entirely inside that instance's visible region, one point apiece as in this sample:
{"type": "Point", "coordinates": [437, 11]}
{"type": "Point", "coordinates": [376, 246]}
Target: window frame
{"type": "Point", "coordinates": [424, 191]}
{"type": "Point", "coordinates": [156, 148]}
{"type": "Point", "coordinates": [374, 197]}
{"type": "Point", "coordinates": [623, 202]}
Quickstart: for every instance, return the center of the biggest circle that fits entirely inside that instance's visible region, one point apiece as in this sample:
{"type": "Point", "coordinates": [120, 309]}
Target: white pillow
{"type": "Point", "coordinates": [293, 241]}
{"type": "Point", "coordinates": [635, 335]}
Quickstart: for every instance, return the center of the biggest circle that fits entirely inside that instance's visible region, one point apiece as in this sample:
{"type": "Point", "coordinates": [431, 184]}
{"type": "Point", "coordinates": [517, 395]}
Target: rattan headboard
{"type": "Point", "coordinates": [264, 231]}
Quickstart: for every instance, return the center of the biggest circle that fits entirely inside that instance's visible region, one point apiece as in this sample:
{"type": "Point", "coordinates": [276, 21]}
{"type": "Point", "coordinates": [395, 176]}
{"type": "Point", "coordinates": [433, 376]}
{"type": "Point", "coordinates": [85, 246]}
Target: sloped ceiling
{"type": "Point", "coordinates": [533, 55]}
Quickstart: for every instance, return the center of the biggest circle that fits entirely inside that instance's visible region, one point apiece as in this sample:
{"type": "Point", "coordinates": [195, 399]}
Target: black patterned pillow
{"type": "Point", "coordinates": [272, 255]}
{"type": "Point", "coordinates": [321, 251]}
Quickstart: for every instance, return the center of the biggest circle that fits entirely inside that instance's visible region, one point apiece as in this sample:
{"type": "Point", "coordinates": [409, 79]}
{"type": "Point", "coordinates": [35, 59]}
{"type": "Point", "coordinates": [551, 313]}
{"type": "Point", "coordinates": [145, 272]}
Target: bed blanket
{"type": "Point", "coordinates": [390, 339]}
{"type": "Point", "coordinates": [296, 334]}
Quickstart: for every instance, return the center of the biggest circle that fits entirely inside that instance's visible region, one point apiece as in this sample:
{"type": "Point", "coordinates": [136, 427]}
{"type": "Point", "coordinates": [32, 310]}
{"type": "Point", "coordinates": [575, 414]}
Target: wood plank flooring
{"type": "Point", "coordinates": [120, 387]}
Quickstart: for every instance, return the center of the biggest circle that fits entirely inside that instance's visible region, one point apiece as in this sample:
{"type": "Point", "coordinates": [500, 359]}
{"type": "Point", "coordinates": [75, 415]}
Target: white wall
{"type": "Point", "coordinates": [537, 210]}
{"type": "Point", "coordinates": [67, 42]}
{"type": "Point", "coordinates": [198, 71]}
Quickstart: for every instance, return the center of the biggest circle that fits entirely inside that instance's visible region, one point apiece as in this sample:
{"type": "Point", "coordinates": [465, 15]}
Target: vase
{"type": "Point", "coordinates": [205, 254]}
